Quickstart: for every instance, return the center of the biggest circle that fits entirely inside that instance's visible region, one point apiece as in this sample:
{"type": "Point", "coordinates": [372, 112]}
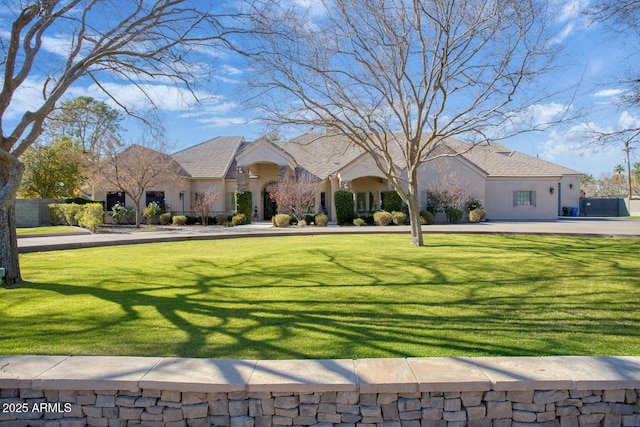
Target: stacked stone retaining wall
{"type": "Point", "coordinates": [423, 392]}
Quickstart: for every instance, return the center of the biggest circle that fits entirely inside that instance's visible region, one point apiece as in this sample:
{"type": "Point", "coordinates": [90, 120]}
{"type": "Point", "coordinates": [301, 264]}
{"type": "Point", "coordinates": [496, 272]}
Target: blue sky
{"type": "Point", "coordinates": [592, 56]}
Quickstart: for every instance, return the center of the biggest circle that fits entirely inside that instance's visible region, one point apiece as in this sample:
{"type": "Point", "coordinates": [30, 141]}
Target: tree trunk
{"type": "Point", "coordinates": [11, 170]}
{"type": "Point", "coordinates": [413, 203]}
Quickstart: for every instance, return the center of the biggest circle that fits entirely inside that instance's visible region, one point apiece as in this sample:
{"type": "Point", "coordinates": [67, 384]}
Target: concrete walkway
{"type": "Point", "coordinates": [597, 227]}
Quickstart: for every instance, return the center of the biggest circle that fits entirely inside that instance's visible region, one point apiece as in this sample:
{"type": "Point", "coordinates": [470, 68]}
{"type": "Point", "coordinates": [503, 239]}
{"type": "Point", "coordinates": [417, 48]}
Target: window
{"type": "Point", "coordinates": [361, 202]}
{"type": "Point", "coordinates": [230, 201]}
{"type": "Point", "coordinates": [113, 198]}
{"type": "Point", "coordinates": [524, 198]}
{"type": "Point", "coordinates": [155, 196]}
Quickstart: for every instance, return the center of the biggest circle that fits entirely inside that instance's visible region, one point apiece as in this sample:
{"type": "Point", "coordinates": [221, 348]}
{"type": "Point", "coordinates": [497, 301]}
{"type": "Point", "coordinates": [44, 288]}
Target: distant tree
{"type": "Point", "coordinates": [295, 193]}
{"type": "Point", "coordinates": [135, 169]}
{"type": "Point", "coordinates": [140, 42]}
{"type": "Point", "coordinates": [52, 171]}
{"type": "Point", "coordinates": [398, 77]}
{"type": "Point", "coordinates": [203, 203]}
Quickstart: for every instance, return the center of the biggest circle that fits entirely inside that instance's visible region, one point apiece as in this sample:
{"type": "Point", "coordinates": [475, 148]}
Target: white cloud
{"type": "Point", "coordinates": [628, 121]}
{"type": "Point", "coordinates": [220, 122]}
{"type": "Point", "coordinates": [578, 140]}
{"type": "Point", "coordinates": [608, 93]}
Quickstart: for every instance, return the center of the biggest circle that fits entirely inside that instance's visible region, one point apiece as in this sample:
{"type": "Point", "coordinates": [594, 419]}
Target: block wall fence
{"type": "Point", "coordinates": [63, 391]}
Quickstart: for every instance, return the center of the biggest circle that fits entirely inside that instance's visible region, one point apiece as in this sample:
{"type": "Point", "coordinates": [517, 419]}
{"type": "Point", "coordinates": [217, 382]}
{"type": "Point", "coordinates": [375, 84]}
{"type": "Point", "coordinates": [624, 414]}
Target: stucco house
{"type": "Point", "coordinates": [511, 185]}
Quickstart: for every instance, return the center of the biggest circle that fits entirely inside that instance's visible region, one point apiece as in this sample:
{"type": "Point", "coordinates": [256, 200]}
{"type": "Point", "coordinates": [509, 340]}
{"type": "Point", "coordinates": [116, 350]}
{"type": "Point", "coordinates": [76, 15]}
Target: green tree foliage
{"type": "Point", "coordinates": [391, 201]}
{"type": "Point", "coordinates": [51, 171]}
{"type": "Point", "coordinates": [243, 204]}
{"type": "Point", "coordinates": [345, 207]}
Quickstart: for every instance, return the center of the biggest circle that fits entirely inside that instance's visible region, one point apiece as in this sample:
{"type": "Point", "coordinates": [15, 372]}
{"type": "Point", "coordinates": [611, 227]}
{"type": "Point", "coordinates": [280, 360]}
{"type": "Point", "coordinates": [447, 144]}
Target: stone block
{"type": "Point", "coordinates": [304, 420]}
{"type": "Point", "coordinates": [452, 405]}
{"type": "Point", "coordinates": [105, 401]}
{"type": "Point", "coordinates": [631, 397]}
{"type": "Point", "coordinates": [595, 408]}
{"type": "Point", "coordinates": [520, 396]}
{"type": "Point", "coordinates": [480, 423]}
{"type": "Point", "coordinates": [97, 422]}
{"type": "Point", "coordinates": [220, 420]}
{"type": "Point", "coordinates": [242, 422]}
{"type": "Point", "coordinates": [390, 412]}
{"type": "Point", "coordinates": [499, 410]}
{"type": "Point", "coordinates": [387, 398]}
{"type": "Point", "coordinates": [495, 396]}
{"type": "Point", "coordinates": [328, 408]}
{"type": "Point", "coordinates": [543, 417]}
{"type": "Point", "coordinates": [405, 404]}
{"type": "Point", "coordinates": [172, 414]}
{"type": "Point", "coordinates": [433, 402]}
{"type": "Point", "coordinates": [347, 397]}
{"type": "Point", "coordinates": [621, 408]}
{"type": "Point", "coordinates": [219, 407]}
{"type": "Point", "coordinates": [476, 412]}
{"type": "Point", "coordinates": [590, 419]}
{"type": "Point", "coordinates": [193, 398]}
{"type": "Point", "coordinates": [432, 414]}
{"type": "Point", "coordinates": [502, 423]}
{"type": "Point", "coordinates": [567, 411]}
{"type": "Point", "coordinates": [29, 393]}
{"type": "Point", "coordinates": [145, 402]}
{"type": "Point", "coordinates": [524, 416]}
{"type": "Point", "coordinates": [552, 423]}
{"type": "Point", "coordinates": [199, 410]}
{"type": "Point", "coordinates": [570, 402]}
{"type": "Point", "coordinates": [329, 418]}
{"type": "Point", "coordinates": [593, 398]}
{"type": "Point", "coordinates": [242, 395]}
{"type": "Point", "coordinates": [531, 407]}
{"type": "Point", "coordinates": [348, 409]}
{"type": "Point", "coordinates": [255, 408]}
{"type": "Point", "coordinates": [171, 396]}
{"type": "Point", "coordinates": [92, 411]}
{"type": "Point", "coordinates": [281, 421]}
{"type": "Point", "coordinates": [368, 399]}
{"type": "Point", "coordinates": [282, 412]}
{"type": "Point", "coordinates": [455, 416]}
{"type": "Point", "coordinates": [147, 416]}
{"type": "Point", "coordinates": [412, 423]}
{"type": "Point", "coordinates": [350, 418]}
{"type": "Point", "coordinates": [571, 421]}
{"type": "Point", "coordinates": [612, 420]}
{"type": "Point", "coordinates": [371, 411]}
{"type": "Point", "coordinates": [328, 397]}
{"type": "Point", "coordinates": [286, 402]}
{"type": "Point", "coordinates": [410, 415]}
{"type": "Point", "coordinates": [614, 396]}
{"type": "Point", "coordinates": [434, 423]}
{"type": "Point", "coordinates": [471, 398]}
{"type": "Point", "coordinates": [110, 413]}
{"type": "Point", "coordinates": [550, 396]}
{"type": "Point", "coordinates": [631, 420]}
{"type": "Point", "coordinates": [310, 398]}
{"type": "Point", "coordinates": [521, 424]}
{"type": "Point", "coordinates": [263, 421]}
{"type": "Point", "coordinates": [308, 410]}
{"type": "Point", "coordinates": [130, 413]}
{"type": "Point", "coordinates": [197, 422]}
{"type": "Point", "coordinates": [268, 406]}
{"type": "Point", "coordinates": [69, 396]}
{"type": "Point", "coordinates": [238, 408]}
{"type": "Point", "coordinates": [126, 401]}
{"type": "Point", "coordinates": [389, 424]}
{"type": "Point", "coordinates": [121, 423]}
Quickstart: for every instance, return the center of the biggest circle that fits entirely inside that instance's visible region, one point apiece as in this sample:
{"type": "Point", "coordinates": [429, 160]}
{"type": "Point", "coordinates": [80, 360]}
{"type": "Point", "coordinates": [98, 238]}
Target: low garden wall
{"type": "Point", "coordinates": [415, 392]}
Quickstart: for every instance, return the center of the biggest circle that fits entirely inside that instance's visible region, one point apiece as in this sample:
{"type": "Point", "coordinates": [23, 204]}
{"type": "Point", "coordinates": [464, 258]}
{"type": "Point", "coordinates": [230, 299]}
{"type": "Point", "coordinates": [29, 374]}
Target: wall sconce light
{"type": "Point", "coordinates": [551, 190]}
{"type": "Point", "coordinates": [182, 195]}
{"type": "Point", "coordinates": [571, 185]}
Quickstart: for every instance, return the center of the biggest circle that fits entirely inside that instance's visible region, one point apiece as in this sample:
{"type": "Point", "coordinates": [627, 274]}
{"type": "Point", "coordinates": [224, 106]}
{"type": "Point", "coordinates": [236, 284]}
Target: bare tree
{"type": "Point", "coordinates": [398, 76]}
{"type": "Point", "coordinates": [135, 41]}
{"type": "Point", "coordinates": [136, 169]}
{"type": "Point", "coordinates": [203, 203]}
{"type": "Point", "coordinates": [450, 192]}
{"type": "Point", "coordinates": [295, 193]}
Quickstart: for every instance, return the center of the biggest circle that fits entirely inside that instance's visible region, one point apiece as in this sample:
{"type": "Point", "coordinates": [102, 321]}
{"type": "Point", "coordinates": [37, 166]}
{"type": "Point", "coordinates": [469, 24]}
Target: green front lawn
{"type": "Point", "coordinates": [351, 296]}
{"type": "Point", "coordinates": [46, 230]}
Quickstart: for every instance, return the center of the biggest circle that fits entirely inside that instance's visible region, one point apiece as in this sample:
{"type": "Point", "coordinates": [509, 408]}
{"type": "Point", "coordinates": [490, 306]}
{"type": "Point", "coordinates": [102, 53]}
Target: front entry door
{"type": "Point", "coordinates": [270, 206]}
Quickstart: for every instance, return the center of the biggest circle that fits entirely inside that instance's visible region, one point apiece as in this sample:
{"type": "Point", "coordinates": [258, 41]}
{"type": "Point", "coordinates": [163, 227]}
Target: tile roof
{"type": "Point", "coordinates": [210, 159]}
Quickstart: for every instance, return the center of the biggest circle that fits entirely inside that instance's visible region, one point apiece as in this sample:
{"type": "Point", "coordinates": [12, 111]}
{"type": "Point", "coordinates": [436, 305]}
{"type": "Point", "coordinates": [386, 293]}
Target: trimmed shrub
{"type": "Point", "coordinates": [152, 210]}
{"type": "Point", "coordinates": [244, 205]}
{"type": "Point", "coordinates": [282, 220]}
{"type": "Point", "coordinates": [309, 218]}
{"type": "Point", "coordinates": [477, 215]}
{"type": "Point", "coordinates": [426, 217]}
{"type": "Point", "coordinates": [302, 223]}
{"type": "Point", "coordinates": [345, 207]}
{"type": "Point", "coordinates": [165, 218]}
{"type": "Point", "coordinates": [382, 218]}
{"type": "Point", "coordinates": [179, 220]}
{"type": "Point", "coordinates": [321, 220]}
{"type": "Point", "coordinates": [239, 219]}
{"type": "Point", "coordinates": [391, 201]}
{"type": "Point", "coordinates": [122, 214]}
{"type": "Point", "coordinates": [454, 214]}
{"type": "Point", "coordinates": [91, 217]}
{"type": "Point", "coordinates": [473, 204]}
{"type": "Point", "coordinates": [399, 218]}
{"type": "Point", "coordinates": [358, 222]}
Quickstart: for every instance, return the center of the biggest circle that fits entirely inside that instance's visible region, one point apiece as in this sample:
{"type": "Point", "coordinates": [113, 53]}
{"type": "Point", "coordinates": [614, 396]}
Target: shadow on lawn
{"type": "Point", "coordinates": [255, 310]}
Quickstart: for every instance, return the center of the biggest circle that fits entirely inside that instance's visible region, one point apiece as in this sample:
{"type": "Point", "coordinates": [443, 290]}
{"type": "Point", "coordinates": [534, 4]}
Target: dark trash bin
{"type": "Point", "coordinates": [566, 211]}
